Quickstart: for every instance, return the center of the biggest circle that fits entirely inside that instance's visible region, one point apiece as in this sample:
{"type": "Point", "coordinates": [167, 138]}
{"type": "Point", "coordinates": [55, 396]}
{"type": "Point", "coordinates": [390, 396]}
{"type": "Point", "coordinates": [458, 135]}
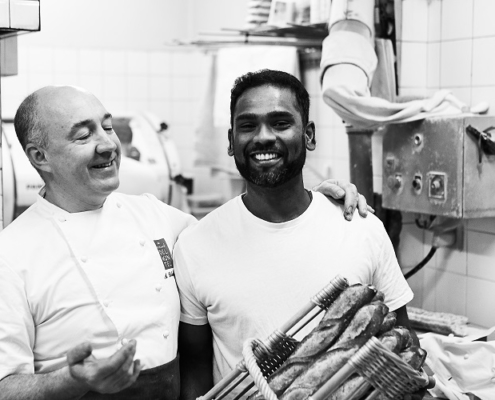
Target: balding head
{"type": "Point", "coordinates": [36, 109]}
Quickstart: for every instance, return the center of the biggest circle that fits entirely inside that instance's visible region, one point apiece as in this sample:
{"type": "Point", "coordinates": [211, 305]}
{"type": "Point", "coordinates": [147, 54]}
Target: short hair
{"type": "Point", "coordinates": [274, 78]}
{"type": "Point", "coordinates": [28, 124]}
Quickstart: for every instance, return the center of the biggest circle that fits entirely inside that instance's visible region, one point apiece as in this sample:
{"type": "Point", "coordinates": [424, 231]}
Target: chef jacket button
{"type": "Point", "coordinates": [142, 242]}
{"type": "Point", "coordinates": [466, 356]}
{"type": "Point", "coordinates": [106, 303]}
{"type": "Point", "coordinates": [158, 288]}
{"type": "Point", "coordinates": [165, 334]}
{"type": "Point", "coordinates": [119, 205]}
{"type": "Point", "coordinates": [62, 219]}
{"type": "Point", "coordinates": [84, 259]}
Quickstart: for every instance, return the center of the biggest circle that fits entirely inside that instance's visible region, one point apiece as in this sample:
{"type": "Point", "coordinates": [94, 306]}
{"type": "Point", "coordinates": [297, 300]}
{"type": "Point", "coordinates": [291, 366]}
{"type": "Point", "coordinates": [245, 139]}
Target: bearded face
{"type": "Point", "coordinates": [268, 139]}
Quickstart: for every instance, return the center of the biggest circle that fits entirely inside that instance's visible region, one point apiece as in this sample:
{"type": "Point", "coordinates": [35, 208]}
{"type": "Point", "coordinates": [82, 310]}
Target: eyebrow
{"type": "Point", "coordinates": [272, 114]}
{"type": "Point", "coordinates": [86, 122]}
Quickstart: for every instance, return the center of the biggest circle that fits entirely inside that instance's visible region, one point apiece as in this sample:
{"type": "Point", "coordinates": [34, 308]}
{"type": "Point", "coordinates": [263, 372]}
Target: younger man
{"type": "Point", "coordinates": [245, 268]}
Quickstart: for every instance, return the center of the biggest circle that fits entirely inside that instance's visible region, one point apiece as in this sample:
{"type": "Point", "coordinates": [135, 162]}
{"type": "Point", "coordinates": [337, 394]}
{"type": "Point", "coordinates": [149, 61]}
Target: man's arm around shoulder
{"type": "Point", "coordinates": [196, 360]}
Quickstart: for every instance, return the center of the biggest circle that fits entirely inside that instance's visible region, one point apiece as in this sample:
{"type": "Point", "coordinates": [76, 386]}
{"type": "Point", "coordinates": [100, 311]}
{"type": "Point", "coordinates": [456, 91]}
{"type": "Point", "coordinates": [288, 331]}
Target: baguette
{"type": "Point", "coordinates": [365, 323]}
{"type": "Point", "coordinates": [333, 323]}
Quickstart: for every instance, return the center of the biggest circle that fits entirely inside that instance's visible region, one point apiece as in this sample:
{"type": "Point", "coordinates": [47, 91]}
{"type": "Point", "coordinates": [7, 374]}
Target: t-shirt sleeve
{"type": "Point", "coordinates": [388, 276]}
{"type": "Point", "coordinates": [192, 310]}
{"type": "Point", "coordinates": [16, 326]}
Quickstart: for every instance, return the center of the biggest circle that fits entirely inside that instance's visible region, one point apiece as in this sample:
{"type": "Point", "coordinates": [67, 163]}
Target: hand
{"type": "Point", "coordinates": [108, 375]}
{"type": "Point", "coordinates": [342, 190]}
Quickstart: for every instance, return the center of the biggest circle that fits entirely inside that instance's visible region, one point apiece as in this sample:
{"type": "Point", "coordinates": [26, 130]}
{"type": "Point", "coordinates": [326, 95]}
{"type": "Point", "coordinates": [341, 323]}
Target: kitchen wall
{"type": "Point", "coordinates": [446, 44]}
{"type": "Point", "coordinates": [120, 51]}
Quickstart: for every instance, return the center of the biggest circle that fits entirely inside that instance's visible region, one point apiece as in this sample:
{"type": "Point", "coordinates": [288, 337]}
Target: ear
{"type": "Point", "coordinates": [37, 157]}
{"type": "Point", "coordinates": [310, 136]}
{"type": "Point", "coordinates": [230, 149]}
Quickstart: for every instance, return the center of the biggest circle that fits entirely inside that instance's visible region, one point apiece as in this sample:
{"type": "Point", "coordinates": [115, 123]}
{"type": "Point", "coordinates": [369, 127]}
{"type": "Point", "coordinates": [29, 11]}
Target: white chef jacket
{"type": "Point", "coordinates": [99, 276]}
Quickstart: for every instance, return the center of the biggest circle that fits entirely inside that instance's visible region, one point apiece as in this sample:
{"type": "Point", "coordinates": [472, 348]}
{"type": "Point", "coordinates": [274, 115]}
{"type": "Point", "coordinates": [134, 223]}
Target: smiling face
{"type": "Point", "coordinates": [81, 160]}
{"type": "Point", "coordinates": [268, 138]}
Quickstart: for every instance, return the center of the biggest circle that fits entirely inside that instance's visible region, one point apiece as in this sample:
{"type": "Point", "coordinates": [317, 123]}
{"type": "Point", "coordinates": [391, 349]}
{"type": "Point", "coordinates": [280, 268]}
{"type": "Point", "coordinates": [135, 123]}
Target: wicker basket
{"type": "Point", "coordinates": [384, 372]}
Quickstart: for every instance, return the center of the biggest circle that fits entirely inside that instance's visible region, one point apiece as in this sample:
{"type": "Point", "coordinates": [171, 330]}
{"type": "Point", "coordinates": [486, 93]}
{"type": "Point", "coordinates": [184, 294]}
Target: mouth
{"type": "Point", "coordinates": [104, 165]}
{"type": "Point", "coordinates": [267, 157]}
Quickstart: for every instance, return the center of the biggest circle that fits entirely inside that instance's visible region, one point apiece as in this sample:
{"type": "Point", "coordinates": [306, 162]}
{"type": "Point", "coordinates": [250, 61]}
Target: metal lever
{"type": "Point", "coordinates": [485, 141]}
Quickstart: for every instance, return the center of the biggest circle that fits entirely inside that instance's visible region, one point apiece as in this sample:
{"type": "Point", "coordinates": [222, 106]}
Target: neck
{"type": "Point", "coordinates": [69, 204]}
{"type": "Point", "coordinates": [281, 204]}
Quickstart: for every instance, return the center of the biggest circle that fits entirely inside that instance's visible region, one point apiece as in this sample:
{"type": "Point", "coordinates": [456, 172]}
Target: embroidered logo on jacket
{"type": "Point", "coordinates": [166, 257]}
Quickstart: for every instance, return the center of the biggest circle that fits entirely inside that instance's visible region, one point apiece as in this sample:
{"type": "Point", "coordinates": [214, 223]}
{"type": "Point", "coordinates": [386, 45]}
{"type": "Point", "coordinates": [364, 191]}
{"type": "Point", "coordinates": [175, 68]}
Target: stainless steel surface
{"type": "Point", "coordinates": [432, 167]}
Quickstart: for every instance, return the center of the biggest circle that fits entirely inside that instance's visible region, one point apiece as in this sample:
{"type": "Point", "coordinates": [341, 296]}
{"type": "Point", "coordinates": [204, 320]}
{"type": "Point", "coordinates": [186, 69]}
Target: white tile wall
{"type": "Point", "coordinates": [415, 26]}
{"type": "Point", "coordinates": [481, 255]}
{"type": "Point", "coordinates": [434, 20]}
{"type": "Point", "coordinates": [433, 66]}
{"type": "Point", "coordinates": [457, 19]}
{"type": "Point", "coordinates": [483, 18]}
{"type": "Point", "coordinates": [414, 65]}
{"type": "Point", "coordinates": [483, 61]}
{"type": "Point", "coordinates": [455, 63]}
{"type": "Point", "coordinates": [480, 297]}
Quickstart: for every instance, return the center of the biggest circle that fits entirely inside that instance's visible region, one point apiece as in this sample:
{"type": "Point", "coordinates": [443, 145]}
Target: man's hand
{"type": "Point", "coordinates": [108, 375]}
{"type": "Point", "coordinates": [346, 191]}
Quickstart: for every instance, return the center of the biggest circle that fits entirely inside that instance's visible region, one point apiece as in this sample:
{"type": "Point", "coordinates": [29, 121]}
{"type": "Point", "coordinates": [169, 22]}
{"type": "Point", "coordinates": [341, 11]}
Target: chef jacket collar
{"type": "Point", "coordinates": [51, 209]}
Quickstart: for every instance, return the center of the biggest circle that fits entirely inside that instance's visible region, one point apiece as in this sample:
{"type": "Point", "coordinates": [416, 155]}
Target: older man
{"type": "Point", "coordinates": [89, 305]}
{"type": "Point", "coordinates": [280, 242]}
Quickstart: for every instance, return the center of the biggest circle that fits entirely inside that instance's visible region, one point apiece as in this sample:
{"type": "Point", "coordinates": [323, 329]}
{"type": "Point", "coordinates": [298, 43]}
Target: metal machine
{"type": "Point", "coordinates": [441, 166]}
{"type": "Point", "coordinates": [150, 164]}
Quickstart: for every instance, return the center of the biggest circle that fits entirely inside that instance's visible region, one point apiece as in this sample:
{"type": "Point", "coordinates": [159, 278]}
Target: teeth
{"type": "Point", "coordinates": [265, 156]}
{"type": "Point", "coordinates": [103, 165]}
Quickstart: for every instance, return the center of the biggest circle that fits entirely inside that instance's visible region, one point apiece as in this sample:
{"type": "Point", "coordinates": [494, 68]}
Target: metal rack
{"type": "Point", "coordinates": [308, 36]}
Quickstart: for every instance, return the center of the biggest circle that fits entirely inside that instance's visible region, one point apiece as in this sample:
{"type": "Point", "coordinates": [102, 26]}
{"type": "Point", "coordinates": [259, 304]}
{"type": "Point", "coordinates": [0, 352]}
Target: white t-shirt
{"type": "Point", "coordinates": [94, 276]}
{"type": "Point", "coordinates": [246, 277]}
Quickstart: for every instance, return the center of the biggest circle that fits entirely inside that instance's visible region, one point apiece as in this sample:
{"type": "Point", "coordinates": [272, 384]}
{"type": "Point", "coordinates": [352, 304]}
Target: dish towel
{"type": "Point", "coordinates": [461, 366]}
{"type": "Point", "coordinates": [348, 66]}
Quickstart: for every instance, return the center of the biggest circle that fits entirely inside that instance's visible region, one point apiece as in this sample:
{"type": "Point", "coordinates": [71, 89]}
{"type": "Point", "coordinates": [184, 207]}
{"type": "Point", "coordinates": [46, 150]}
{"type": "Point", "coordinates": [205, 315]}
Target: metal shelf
{"type": "Point", "coordinates": [302, 36]}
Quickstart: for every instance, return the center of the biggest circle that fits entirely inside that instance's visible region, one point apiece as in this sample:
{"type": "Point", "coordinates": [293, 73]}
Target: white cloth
{"type": "Point", "coordinates": [94, 276]}
{"type": "Point", "coordinates": [461, 366]}
{"type": "Point", "coordinates": [246, 277]}
{"type": "Point", "coordinates": [348, 65]}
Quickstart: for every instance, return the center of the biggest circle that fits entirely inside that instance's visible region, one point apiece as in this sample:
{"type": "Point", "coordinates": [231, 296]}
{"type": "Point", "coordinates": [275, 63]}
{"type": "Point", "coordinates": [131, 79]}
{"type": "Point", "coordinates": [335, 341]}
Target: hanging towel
{"type": "Point", "coordinates": [348, 67]}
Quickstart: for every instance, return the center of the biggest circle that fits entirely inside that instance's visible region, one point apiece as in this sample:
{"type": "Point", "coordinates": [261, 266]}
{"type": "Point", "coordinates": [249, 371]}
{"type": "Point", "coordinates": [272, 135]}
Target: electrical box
{"type": "Point", "coordinates": [441, 166]}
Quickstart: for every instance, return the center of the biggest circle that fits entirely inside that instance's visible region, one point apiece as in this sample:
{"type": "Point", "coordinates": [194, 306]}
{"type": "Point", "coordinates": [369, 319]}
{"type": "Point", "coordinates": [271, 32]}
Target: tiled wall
{"type": "Point", "coordinates": [446, 44]}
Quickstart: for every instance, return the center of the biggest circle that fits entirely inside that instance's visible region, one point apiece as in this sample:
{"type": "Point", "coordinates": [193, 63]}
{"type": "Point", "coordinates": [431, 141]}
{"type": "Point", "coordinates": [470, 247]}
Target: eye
{"type": "Point", "coordinates": [246, 126]}
{"type": "Point", "coordinates": [281, 124]}
{"type": "Point", "coordinates": [83, 135]}
{"type": "Point", "coordinates": [108, 128]}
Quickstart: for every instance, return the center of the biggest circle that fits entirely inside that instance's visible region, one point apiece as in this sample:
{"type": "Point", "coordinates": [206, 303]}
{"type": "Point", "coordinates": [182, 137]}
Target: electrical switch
{"type": "Point", "coordinates": [437, 186]}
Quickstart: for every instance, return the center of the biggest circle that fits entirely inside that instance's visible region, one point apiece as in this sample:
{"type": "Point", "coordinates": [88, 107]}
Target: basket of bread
{"type": "Point", "coordinates": [355, 352]}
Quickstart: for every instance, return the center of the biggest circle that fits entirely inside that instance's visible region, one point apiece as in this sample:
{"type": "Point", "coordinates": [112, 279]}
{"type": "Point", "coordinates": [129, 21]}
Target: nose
{"type": "Point", "coordinates": [107, 142]}
{"type": "Point", "coordinates": [265, 134]}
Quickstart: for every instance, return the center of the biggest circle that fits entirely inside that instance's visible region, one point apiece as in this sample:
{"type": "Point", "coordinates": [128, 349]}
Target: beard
{"type": "Point", "coordinates": [276, 176]}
